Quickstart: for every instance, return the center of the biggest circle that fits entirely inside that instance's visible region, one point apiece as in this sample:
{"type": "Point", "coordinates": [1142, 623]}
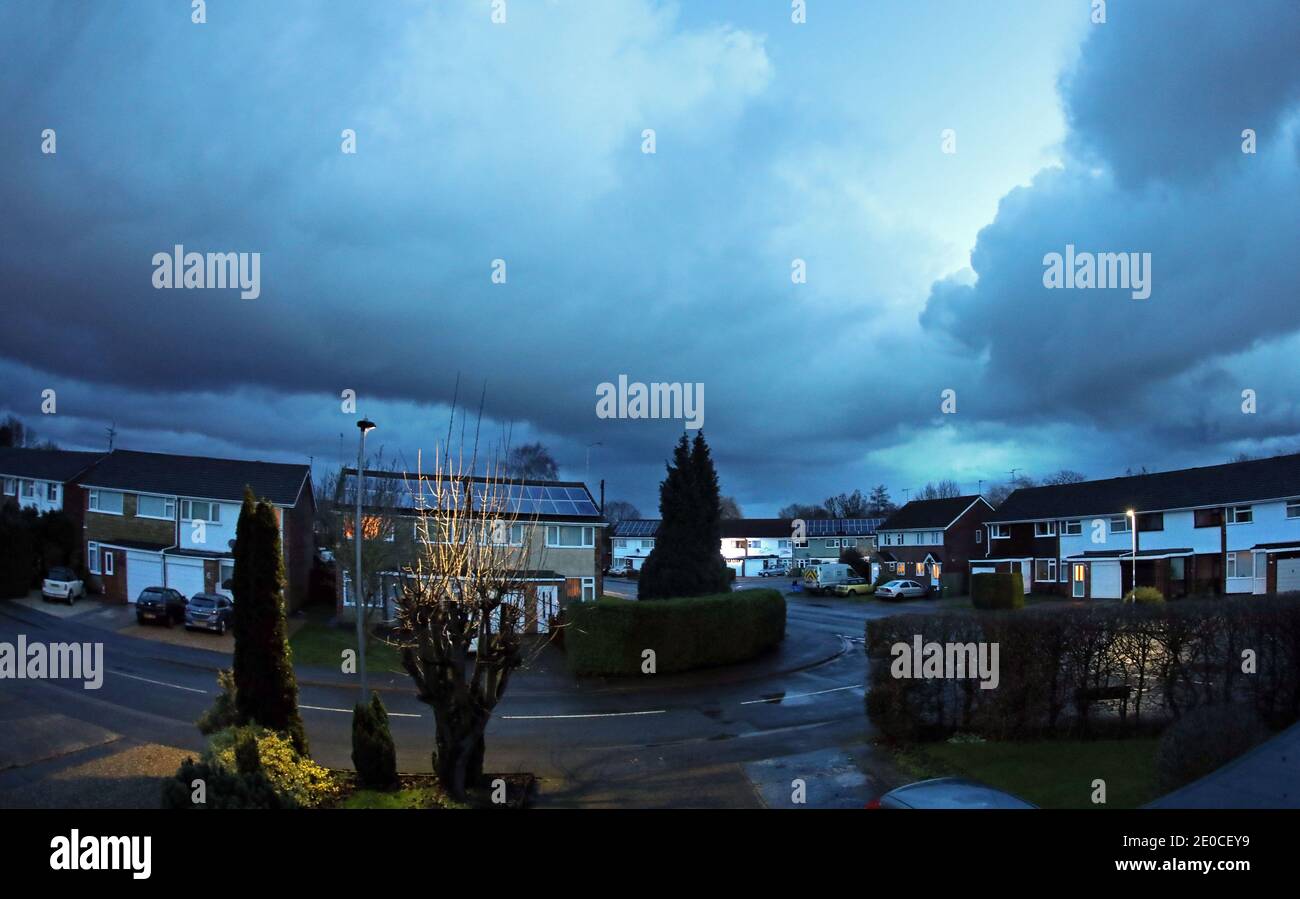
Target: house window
{"type": "Point", "coordinates": [1045, 529]}
{"type": "Point", "coordinates": [201, 510]}
{"type": "Point", "coordinates": [92, 557]}
{"type": "Point", "coordinates": [1119, 524]}
{"type": "Point", "coordinates": [1293, 509]}
{"type": "Point", "coordinates": [1241, 564]}
{"type": "Point", "coordinates": [647, 544]}
{"type": "Point", "coordinates": [979, 536]}
{"type": "Point", "coordinates": [999, 531]}
{"type": "Point", "coordinates": [1207, 518]}
{"type": "Point", "coordinates": [155, 507]}
{"type": "Point", "coordinates": [108, 502]}
{"type": "Point", "coordinates": [756, 544]}
{"type": "Point", "coordinates": [783, 544]}
{"type": "Point", "coordinates": [1151, 521]}
{"type": "Point", "coordinates": [739, 544]}
{"type": "Point", "coordinates": [108, 563]}
{"type": "Point", "coordinates": [1071, 528]}
{"type": "Point", "coordinates": [52, 492]}
{"type": "Point", "coordinates": [11, 486]}
{"type": "Point", "coordinates": [1044, 569]}
{"type": "Point", "coordinates": [570, 536]}
{"type": "Point", "coordinates": [900, 568]}
{"type": "Point", "coordinates": [1177, 568]}
{"type": "Point", "coordinates": [226, 574]}
{"type": "Point", "coordinates": [1064, 569]}
{"type": "Point", "coordinates": [920, 568]}
{"type": "Point", "coordinates": [588, 588]}
{"type": "Point", "coordinates": [620, 544]}
{"type": "Point", "coordinates": [29, 489]}
{"type": "Point", "coordinates": [1240, 515]}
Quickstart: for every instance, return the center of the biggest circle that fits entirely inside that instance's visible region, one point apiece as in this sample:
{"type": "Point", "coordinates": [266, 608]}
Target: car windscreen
{"type": "Point", "coordinates": [202, 602]}
{"type": "Point", "coordinates": [62, 574]}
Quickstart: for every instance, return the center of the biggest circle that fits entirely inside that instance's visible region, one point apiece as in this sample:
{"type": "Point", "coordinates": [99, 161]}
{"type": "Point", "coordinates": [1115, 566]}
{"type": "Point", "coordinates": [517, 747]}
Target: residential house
{"type": "Point", "coordinates": [933, 540]}
{"type": "Point", "coordinates": [753, 545]}
{"type": "Point", "coordinates": [825, 538]}
{"type": "Point", "coordinates": [1232, 528]}
{"type": "Point", "coordinates": [155, 519]}
{"type": "Point", "coordinates": [558, 522]}
{"type": "Point", "coordinates": [44, 480]}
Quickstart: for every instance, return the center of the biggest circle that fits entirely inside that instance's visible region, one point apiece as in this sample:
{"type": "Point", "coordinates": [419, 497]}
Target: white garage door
{"type": "Point", "coordinates": [1106, 580]}
{"type": "Point", "coordinates": [1288, 575]}
{"type": "Point", "coordinates": [142, 570]}
{"type": "Point", "coordinates": [185, 575]}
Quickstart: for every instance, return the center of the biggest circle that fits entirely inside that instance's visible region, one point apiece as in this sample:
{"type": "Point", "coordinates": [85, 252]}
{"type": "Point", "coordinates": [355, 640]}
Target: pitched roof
{"type": "Point", "coordinates": [928, 513]}
{"type": "Point", "coordinates": [1187, 488]}
{"type": "Point", "coordinates": [543, 500]}
{"type": "Point", "coordinates": [731, 528]}
{"type": "Point", "coordinates": [44, 464]}
{"type": "Point", "coordinates": [198, 476]}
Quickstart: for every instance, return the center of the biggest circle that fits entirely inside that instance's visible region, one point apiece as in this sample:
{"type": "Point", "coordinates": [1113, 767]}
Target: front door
{"type": "Point", "coordinates": [547, 607]}
{"type": "Point", "coordinates": [1080, 573]}
{"type": "Point", "coordinates": [1261, 572]}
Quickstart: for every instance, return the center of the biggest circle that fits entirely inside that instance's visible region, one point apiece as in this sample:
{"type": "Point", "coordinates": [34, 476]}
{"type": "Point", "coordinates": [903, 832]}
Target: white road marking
{"type": "Point", "coordinates": [160, 683]}
{"type": "Point", "coordinates": [593, 715]}
{"type": "Point", "coordinates": [321, 708]}
{"type": "Point", "coordinates": [785, 696]}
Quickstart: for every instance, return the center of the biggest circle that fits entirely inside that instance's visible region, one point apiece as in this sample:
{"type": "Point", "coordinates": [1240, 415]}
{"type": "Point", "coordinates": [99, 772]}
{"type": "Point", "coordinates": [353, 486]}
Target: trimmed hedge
{"type": "Point", "coordinates": [1072, 671]}
{"type": "Point", "coordinates": [997, 590]}
{"type": "Point", "coordinates": [608, 636]}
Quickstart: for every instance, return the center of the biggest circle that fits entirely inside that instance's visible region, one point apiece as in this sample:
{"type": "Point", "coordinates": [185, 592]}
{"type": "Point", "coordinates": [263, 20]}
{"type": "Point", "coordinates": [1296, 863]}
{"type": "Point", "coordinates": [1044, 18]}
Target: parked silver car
{"type": "Point", "coordinates": [900, 590]}
{"type": "Point", "coordinates": [949, 792]}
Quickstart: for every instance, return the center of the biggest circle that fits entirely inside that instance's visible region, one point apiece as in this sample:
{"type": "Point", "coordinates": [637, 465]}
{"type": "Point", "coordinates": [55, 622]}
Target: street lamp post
{"type": "Point", "coordinates": [364, 425]}
{"type": "Point", "coordinates": [1133, 527]}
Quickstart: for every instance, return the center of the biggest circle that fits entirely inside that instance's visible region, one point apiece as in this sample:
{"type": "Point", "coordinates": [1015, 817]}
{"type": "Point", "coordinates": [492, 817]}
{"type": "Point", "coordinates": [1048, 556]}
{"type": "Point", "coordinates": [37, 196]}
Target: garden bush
{"type": "Point", "coordinates": [1204, 740]}
{"type": "Point", "coordinates": [251, 767]}
{"type": "Point", "coordinates": [1074, 671]}
{"type": "Point", "coordinates": [997, 590]}
{"type": "Point", "coordinates": [373, 753]}
{"type": "Point", "coordinates": [608, 637]}
{"type": "Point", "coordinates": [1144, 595]}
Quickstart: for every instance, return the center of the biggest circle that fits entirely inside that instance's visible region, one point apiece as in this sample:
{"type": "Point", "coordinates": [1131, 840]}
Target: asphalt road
{"type": "Point", "coordinates": [703, 739]}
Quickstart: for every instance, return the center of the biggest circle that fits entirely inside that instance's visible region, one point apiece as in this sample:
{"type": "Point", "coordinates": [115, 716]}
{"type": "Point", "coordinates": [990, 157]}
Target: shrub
{"type": "Point", "coordinates": [1204, 740]}
{"type": "Point", "coordinates": [853, 558]}
{"type": "Point", "coordinates": [250, 767]}
{"type": "Point", "coordinates": [224, 712]}
{"type": "Point", "coordinates": [997, 590]}
{"type": "Point", "coordinates": [608, 637]}
{"type": "Point", "coordinates": [1144, 595]}
{"type": "Point", "coordinates": [373, 753]}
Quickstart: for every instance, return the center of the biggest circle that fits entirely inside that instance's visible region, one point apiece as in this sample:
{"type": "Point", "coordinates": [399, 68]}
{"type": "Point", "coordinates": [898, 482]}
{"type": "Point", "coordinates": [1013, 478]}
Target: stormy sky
{"type": "Point", "coordinates": [774, 141]}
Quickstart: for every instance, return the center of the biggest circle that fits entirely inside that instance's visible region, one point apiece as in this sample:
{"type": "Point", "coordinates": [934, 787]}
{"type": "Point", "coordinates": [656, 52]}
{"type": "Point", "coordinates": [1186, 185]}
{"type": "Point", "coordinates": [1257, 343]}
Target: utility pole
{"type": "Point", "coordinates": [358, 533]}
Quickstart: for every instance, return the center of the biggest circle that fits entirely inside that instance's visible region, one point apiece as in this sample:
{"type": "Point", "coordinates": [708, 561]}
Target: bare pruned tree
{"type": "Point", "coordinates": [945, 489]}
{"type": "Point", "coordinates": [464, 604]}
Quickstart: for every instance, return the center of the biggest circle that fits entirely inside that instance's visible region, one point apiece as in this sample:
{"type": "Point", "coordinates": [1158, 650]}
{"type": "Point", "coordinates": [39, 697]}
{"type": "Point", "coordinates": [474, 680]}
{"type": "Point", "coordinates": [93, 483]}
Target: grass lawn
{"type": "Point", "coordinates": [317, 643]}
{"type": "Point", "coordinates": [1049, 773]}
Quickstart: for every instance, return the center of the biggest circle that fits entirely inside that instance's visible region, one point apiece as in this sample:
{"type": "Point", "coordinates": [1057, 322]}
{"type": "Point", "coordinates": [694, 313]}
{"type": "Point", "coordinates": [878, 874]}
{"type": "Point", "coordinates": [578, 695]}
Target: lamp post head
{"type": "Point", "coordinates": [365, 425]}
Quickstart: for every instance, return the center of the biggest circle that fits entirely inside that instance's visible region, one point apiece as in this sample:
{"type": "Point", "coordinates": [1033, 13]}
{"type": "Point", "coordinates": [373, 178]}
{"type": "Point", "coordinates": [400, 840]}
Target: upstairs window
{"type": "Point", "coordinates": [11, 486]}
{"type": "Point", "coordinates": [1241, 515]}
{"type": "Point", "coordinates": [1045, 529]}
{"type": "Point", "coordinates": [1119, 524]}
{"type": "Point", "coordinates": [52, 492]}
{"type": "Point", "coordinates": [1151, 521]}
{"type": "Point", "coordinates": [999, 531]}
{"type": "Point", "coordinates": [155, 507]}
{"type": "Point", "coordinates": [1071, 528]}
{"type": "Point", "coordinates": [1293, 509]}
{"type": "Point", "coordinates": [570, 536]}
{"type": "Point", "coordinates": [108, 502]}
{"type": "Point", "coordinates": [1207, 518]}
{"type": "Point", "coordinates": [201, 510]}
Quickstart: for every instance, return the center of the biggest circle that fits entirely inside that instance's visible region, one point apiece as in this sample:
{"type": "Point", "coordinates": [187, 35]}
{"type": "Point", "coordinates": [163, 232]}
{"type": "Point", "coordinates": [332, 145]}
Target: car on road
{"type": "Point", "coordinates": [901, 590]}
{"type": "Point", "coordinates": [949, 792]}
{"type": "Point", "coordinates": [162, 604]}
{"type": "Point", "coordinates": [209, 612]}
{"type": "Point", "coordinates": [62, 583]}
{"type": "Point", "coordinates": [778, 571]}
{"type": "Point", "coordinates": [855, 587]}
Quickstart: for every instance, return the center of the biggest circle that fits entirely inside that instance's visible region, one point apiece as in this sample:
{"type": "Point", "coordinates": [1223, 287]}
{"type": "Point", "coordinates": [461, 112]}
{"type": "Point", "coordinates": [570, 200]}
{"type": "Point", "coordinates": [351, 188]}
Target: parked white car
{"type": "Point", "coordinates": [62, 584]}
{"type": "Point", "coordinates": [901, 590]}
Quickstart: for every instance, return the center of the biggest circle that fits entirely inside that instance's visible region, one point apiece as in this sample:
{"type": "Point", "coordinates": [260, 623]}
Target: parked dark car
{"type": "Point", "coordinates": [161, 604]}
{"type": "Point", "coordinates": [209, 612]}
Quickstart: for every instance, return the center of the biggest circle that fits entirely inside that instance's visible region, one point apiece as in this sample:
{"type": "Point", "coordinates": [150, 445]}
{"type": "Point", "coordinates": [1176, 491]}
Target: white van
{"type": "Point", "coordinates": [821, 578]}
